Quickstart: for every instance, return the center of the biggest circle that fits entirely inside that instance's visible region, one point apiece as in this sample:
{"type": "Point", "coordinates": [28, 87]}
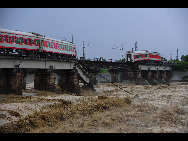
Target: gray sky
{"type": "Point", "coordinates": [157, 29]}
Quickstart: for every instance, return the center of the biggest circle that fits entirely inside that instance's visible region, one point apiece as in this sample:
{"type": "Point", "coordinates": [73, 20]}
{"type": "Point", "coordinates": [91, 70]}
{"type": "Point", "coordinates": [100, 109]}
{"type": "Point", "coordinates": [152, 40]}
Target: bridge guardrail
{"type": "Point", "coordinates": [83, 74]}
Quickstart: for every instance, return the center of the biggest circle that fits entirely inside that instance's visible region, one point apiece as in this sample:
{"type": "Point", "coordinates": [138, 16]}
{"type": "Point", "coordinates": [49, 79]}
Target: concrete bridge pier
{"type": "Point", "coordinates": [24, 74]}
{"type": "Point", "coordinates": [130, 75]}
{"type": "Point", "coordinates": [114, 75]}
{"type": "Point", "coordinates": [44, 79]}
{"type": "Point", "coordinates": [156, 74]}
{"type": "Point", "coordinates": [123, 76]}
{"type": "Point", "coordinates": [10, 81]}
{"type": "Point", "coordinates": [138, 74]}
{"type": "Point", "coordinates": [92, 78]}
{"type": "Point", "coordinates": [163, 74]}
{"type": "Point", "coordinates": [68, 81]}
{"type": "Point", "coordinates": [152, 77]}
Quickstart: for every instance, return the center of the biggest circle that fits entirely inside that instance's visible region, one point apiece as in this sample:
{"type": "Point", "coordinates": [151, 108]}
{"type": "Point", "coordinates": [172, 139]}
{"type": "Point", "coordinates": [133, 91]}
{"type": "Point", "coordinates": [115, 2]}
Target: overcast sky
{"type": "Point", "coordinates": [105, 29]}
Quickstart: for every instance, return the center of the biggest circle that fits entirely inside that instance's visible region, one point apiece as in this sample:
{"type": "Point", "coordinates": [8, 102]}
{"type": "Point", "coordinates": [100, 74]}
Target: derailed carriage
{"type": "Point", "coordinates": [30, 44]}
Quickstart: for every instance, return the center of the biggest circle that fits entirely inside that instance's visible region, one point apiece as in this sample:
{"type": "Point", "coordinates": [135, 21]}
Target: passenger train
{"type": "Point", "coordinates": [31, 44]}
{"type": "Point", "coordinates": [143, 57]}
{"type": "Point", "coordinates": [34, 45]}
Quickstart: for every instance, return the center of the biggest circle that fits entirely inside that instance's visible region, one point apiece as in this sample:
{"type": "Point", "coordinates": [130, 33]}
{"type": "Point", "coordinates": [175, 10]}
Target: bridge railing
{"type": "Point", "coordinates": [82, 73]}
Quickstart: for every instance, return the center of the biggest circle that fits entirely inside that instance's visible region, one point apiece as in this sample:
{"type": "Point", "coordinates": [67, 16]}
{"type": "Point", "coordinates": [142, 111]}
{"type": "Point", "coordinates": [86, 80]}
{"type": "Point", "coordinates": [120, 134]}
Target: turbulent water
{"type": "Point", "coordinates": [146, 108]}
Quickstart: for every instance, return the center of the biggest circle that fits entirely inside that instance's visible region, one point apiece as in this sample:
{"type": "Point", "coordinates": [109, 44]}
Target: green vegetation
{"type": "Point", "coordinates": [103, 71]}
{"type": "Point", "coordinates": [180, 65]}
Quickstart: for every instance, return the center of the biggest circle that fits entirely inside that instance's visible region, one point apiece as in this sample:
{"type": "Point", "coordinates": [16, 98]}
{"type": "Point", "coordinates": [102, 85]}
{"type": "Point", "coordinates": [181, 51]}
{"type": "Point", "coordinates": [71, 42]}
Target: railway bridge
{"type": "Point", "coordinates": [13, 72]}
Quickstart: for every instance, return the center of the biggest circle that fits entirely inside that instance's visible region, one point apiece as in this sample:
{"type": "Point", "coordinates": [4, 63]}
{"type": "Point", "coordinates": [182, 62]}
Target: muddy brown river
{"type": "Point", "coordinates": [146, 108]}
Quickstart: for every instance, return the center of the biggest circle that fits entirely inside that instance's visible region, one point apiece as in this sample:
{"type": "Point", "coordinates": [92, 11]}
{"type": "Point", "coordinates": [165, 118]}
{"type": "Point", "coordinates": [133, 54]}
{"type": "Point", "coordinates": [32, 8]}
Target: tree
{"type": "Point", "coordinates": [181, 65]}
{"type": "Point", "coordinates": [184, 58]}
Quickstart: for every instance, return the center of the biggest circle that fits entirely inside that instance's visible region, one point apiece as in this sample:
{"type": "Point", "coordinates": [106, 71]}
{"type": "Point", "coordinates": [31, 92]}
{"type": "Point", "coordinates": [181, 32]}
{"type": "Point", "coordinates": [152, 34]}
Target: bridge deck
{"type": "Point", "coordinates": [154, 67]}
{"type": "Point", "coordinates": [35, 63]}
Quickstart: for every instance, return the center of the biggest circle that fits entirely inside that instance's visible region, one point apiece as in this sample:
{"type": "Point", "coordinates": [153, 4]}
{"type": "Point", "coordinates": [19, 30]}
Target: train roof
{"type": "Point", "coordinates": [16, 32]}
{"type": "Point", "coordinates": [142, 51]}
{"type": "Point", "coordinates": [30, 34]}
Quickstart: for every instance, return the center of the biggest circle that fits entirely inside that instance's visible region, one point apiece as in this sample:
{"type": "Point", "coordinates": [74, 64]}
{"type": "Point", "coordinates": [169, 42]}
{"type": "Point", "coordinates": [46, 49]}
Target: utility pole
{"type": "Point", "coordinates": [171, 56]}
{"type": "Point", "coordinates": [122, 50]}
{"type": "Point", "coordinates": [177, 54]}
{"type": "Point", "coordinates": [83, 51]}
{"type": "Point", "coordinates": [136, 48]}
{"type": "Point", "coordinates": [72, 38]}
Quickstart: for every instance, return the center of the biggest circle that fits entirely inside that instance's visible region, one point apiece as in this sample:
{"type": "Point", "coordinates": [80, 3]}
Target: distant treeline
{"type": "Point", "coordinates": [180, 65]}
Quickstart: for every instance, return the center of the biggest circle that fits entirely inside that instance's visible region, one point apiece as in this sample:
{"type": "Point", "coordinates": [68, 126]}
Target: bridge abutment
{"type": "Point", "coordinates": [11, 81]}
{"type": "Point", "coordinates": [44, 79]}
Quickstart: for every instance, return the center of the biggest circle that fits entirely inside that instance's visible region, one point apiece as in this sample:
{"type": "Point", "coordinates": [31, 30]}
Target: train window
{"type": "Point", "coordinates": [70, 48]}
{"type": "Point", "coordinates": [52, 44]}
{"type": "Point", "coordinates": [7, 39]}
{"type": "Point", "coordinates": [66, 47]}
{"type": "Point", "coordinates": [26, 41]}
{"type": "Point", "coordinates": [61, 47]}
{"type": "Point", "coordinates": [30, 41]}
{"type": "Point", "coordinates": [33, 42]}
{"type": "Point", "coordinates": [146, 55]}
{"type": "Point", "coordinates": [11, 39]}
{"type": "Point", "coordinates": [22, 40]}
{"type": "Point", "coordinates": [3, 38]}
{"type": "Point", "coordinates": [15, 40]}
{"type": "Point", "coordinates": [19, 40]}
{"type": "Point", "coordinates": [0, 38]}
{"type": "Point", "coordinates": [42, 43]}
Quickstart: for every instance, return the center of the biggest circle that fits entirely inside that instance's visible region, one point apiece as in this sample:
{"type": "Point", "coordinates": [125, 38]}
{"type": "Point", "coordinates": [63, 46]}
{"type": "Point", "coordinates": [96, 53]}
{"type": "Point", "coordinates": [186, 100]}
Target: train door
{"type": "Point", "coordinates": [40, 45]}
{"type": "Point", "coordinates": [129, 58]}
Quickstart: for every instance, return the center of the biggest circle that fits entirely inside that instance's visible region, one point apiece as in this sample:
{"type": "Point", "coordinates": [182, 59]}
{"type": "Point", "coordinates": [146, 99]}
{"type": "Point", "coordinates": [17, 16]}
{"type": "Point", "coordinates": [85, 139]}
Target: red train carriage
{"type": "Point", "coordinates": [154, 56]}
{"type": "Point", "coordinates": [142, 57]}
{"type": "Point", "coordinates": [32, 44]}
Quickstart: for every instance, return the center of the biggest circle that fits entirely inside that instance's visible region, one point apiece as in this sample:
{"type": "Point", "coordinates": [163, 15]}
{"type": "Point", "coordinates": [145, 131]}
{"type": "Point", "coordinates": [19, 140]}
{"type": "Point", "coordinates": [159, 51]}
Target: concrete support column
{"type": "Point", "coordinates": [69, 81]}
{"type": "Point", "coordinates": [168, 74]}
{"type": "Point", "coordinates": [138, 75]}
{"type": "Point", "coordinates": [114, 76]}
{"type": "Point", "coordinates": [156, 74]}
{"type": "Point", "coordinates": [123, 76]}
{"type": "Point", "coordinates": [74, 82]}
{"type": "Point", "coordinates": [130, 74]}
{"type": "Point", "coordinates": [24, 74]}
{"type": "Point", "coordinates": [10, 81]}
{"type": "Point", "coordinates": [148, 74]}
{"type": "Point", "coordinates": [44, 80]}
{"type": "Point", "coordinates": [63, 79]}
{"type": "Point", "coordinates": [92, 78]}
{"type": "Point", "coordinates": [163, 74]}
